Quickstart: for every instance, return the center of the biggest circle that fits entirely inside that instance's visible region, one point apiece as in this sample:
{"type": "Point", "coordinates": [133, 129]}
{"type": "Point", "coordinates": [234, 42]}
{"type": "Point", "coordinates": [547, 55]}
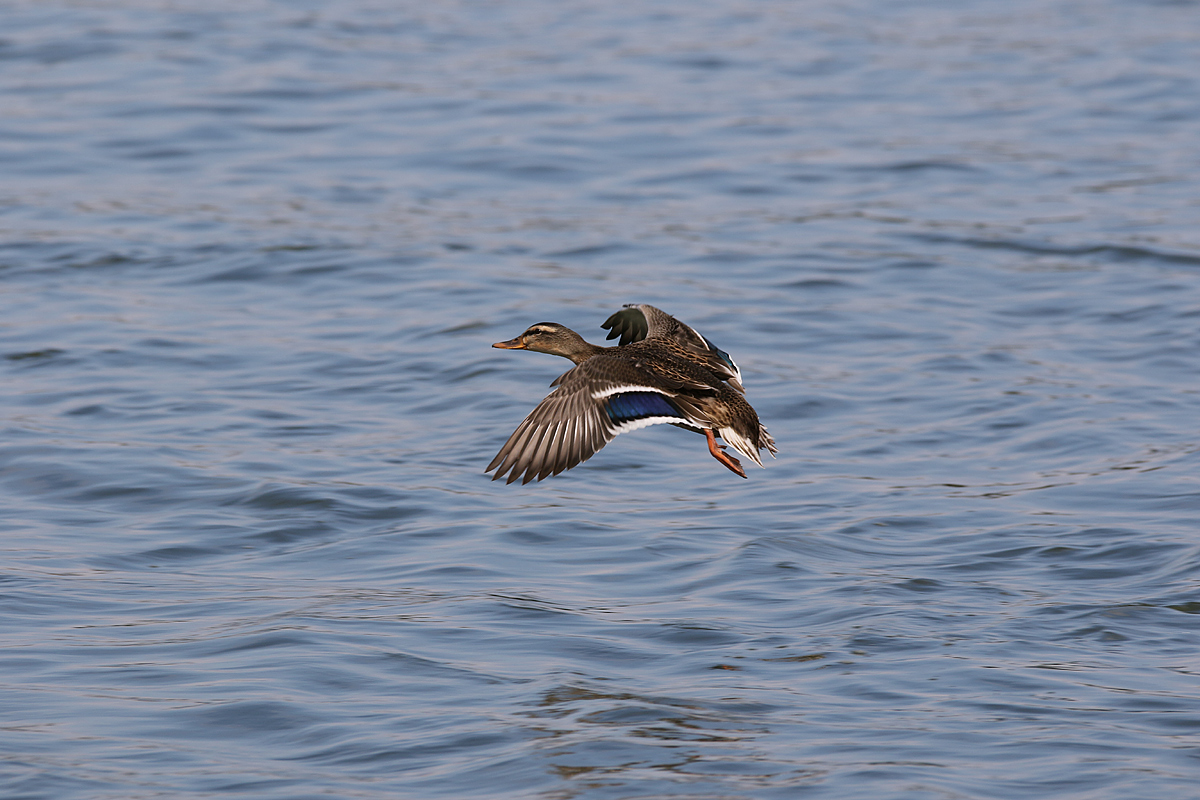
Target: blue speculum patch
{"type": "Point", "coordinates": [638, 405]}
{"type": "Point", "coordinates": [720, 353]}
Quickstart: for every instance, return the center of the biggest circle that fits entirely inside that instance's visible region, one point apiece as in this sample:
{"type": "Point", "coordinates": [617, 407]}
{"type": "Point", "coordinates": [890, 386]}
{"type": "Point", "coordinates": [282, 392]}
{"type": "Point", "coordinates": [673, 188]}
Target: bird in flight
{"type": "Point", "coordinates": [661, 371]}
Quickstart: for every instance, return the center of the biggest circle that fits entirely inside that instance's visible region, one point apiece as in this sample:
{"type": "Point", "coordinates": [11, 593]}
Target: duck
{"type": "Point", "coordinates": [661, 371]}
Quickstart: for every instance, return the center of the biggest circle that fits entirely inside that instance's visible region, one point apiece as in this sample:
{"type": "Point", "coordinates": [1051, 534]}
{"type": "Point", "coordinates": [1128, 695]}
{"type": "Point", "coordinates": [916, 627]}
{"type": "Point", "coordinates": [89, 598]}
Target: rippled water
{"type": "Point", "coordinates": [252, 258]}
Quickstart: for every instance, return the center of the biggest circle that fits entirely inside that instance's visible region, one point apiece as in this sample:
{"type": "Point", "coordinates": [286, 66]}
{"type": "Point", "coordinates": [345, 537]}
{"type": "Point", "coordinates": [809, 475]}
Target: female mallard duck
{"type": "Point", "coordinates": [662, 371]}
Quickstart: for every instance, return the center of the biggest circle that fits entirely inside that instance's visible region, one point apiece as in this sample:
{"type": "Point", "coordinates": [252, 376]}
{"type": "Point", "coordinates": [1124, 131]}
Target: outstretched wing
{"type": "Point", "coordinates": [640, 321]}
{"type": "Point", "coordinates": [593, 403]}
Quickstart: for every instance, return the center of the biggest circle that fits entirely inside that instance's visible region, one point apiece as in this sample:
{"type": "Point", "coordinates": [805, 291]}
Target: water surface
{"type": "Point", "coordinates": [253, 255]}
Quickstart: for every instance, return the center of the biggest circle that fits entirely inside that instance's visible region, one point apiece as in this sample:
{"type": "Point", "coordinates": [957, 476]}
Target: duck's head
{"type": "Point", "coordinates": [552, 338]}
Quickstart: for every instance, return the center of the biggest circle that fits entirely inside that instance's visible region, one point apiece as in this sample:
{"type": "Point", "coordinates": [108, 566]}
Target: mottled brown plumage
{"type": "Point", "coordinates": [662, 371]}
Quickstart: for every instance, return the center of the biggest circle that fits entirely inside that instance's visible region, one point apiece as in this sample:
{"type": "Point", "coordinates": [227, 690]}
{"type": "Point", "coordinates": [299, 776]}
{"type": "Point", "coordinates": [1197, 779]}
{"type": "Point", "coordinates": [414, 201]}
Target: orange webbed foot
{"type": "Point", "coordinates": [718, 452]}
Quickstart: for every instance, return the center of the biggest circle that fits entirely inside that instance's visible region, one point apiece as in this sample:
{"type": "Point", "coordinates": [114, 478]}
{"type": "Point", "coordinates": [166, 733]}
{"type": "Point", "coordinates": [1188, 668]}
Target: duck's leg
{"type": "Point", "coordinates": [719, 454]}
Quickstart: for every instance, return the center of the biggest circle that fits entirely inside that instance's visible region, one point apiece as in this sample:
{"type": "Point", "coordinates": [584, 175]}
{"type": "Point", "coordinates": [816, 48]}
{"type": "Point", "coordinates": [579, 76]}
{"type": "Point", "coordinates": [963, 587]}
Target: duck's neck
{"type": "Point", "coordinates": [580, 351]}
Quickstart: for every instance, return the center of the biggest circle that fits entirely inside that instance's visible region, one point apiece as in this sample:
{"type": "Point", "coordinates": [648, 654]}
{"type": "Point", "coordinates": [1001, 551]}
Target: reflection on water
{"type": "Point", "coordinates": [252, 262]}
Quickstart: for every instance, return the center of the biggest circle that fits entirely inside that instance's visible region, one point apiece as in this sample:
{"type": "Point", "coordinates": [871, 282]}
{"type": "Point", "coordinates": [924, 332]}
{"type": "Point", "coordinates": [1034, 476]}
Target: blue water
{"type": "Point", "coordinates": [252, 259]}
